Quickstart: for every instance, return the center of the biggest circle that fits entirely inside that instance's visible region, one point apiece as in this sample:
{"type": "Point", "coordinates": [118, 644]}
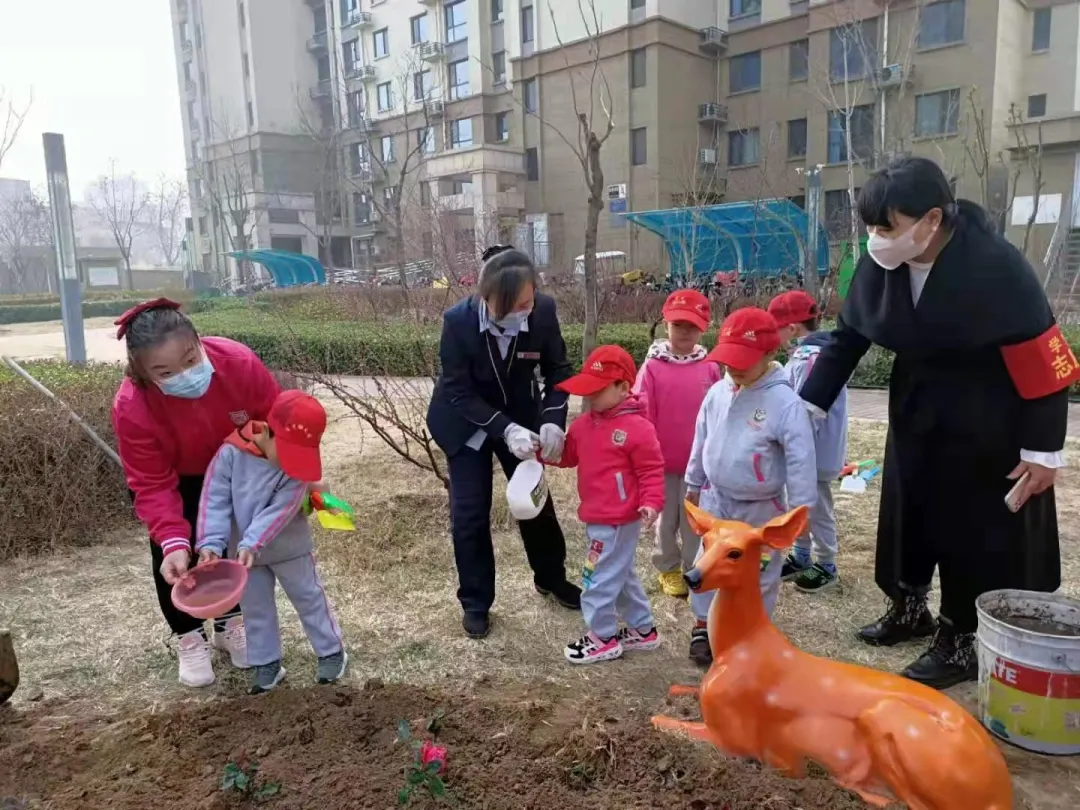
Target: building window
{"type": "Point", "coordinates": [796, 138]}
{"type": "Point", "coordinates": [496, 11]}
{"type": "Point", "coordinates": [637, 68]}
{"type": "Point", "coordinates": [421, 85]}
{"type": "Point", "coordinates": [381, 43]}
{"type": "Point", "coordinates": [937, 113]}
{"type": "Point", "coordinates": [498, 66]}
{"type": "Point", "coordinates": [838, 213]}
{"type": "Point", "coordinates": [459, 78]}
{"type": "Point", "coordinates": [457, 24]}
{"type": "Point", "coordinates": [385, 94]}
{"type": "Point", "coordinates": [799, 200]}
{"type": "Point", "coordinates": [425, 140]}
{"type": "Point", "coordinates": [743, 147]}
{"type": "Point", "coordinates": [862, 134]}
{"type": "Point", "coordinates": [941, 23]}
{"type": "Point", "coordinates": [853, 49]}
{"type": "Point", "coordinates": [532, 164]}
{"type": "Point", "coordinates": [386, 148]}
{"type": "Point", "coordinates": [740, 8]}
{"type": "Point", "coordinates": [350, 54]}
{"type": "Point", "coordinates": [361, 209]}
{"type": "Point", "coordinates": [461, 133]}
{"type": "Point", "coordinates": [250, 115]}
{"type": "Point", "coordinates": [744, 72]}
{"type": "Point", "coordinates": [502, 127]}
{"type": "Point", "coordinates": [527, 24]}
{"type": "Point", "coordinates": [419, 29]}
{"type": "Point", "coordinates": [799, 60]}
{"type": "Point", "coordinates": [1040, 29]}
{"type": "Point", "coordinates": [530, 96]}
{"type": "Point", "coordinates": [1037, 106]}
{"type": "Point", "coordinates": [639, 151]}
{"type": "Point", "coordinates": [355, 105]}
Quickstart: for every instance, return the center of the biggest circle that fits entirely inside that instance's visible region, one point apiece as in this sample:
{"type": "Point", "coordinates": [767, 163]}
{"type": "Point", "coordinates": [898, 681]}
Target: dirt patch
{"type": "Point", "coordinates": [337, 748]}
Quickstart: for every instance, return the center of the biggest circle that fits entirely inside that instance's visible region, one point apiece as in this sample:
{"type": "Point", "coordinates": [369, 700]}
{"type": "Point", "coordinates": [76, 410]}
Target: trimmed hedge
{"type": "Point", "coordinates": [35, 313]}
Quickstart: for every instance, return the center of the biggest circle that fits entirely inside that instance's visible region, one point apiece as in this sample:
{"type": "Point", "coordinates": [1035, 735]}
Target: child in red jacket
{"type": "Point", "coordinates": [621, 487]}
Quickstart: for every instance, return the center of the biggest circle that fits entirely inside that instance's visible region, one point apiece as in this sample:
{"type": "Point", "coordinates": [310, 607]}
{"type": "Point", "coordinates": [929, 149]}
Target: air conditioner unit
{"type": "Point", "coordinates": [616, 191]}
{"type": "Point", "coordinates": [894, 75]}
{"type": "Point", "coordinates": [707, 157]}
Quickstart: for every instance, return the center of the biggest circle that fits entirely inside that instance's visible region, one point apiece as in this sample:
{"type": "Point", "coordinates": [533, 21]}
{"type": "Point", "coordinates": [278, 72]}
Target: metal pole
{"type": "Point", "coordinates": [813, 216]}
{"type": "Point", "coordinates": [67, 268]}
{"type": "Point", "coordinates": [78, 420]}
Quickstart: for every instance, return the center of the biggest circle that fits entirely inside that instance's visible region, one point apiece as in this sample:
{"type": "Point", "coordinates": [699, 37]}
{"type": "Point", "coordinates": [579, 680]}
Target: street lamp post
{"type": "Point", "coordinates": [67, 268]}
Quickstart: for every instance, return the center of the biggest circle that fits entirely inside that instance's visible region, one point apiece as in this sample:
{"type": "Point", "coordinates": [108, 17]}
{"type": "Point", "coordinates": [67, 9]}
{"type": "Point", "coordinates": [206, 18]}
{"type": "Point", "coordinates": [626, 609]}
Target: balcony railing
{"type": "Point", "coordinates": [357, 18]}
{"type": "Point", "coordinates": [431, 51]}
{"type": "Point", "coordinates": [321, 90]}
{"type": "Point", "coordinates": [714, 40]}
{"type": "Point", "coordinates": [362, 72]}
{"type": "Point", "coordinates": [317, 43]}
{"type": "Point", "coordinates": [711, 111]}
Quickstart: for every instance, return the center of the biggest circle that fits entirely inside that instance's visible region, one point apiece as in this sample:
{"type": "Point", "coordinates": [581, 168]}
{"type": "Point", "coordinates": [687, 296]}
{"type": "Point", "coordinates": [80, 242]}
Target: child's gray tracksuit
{"type": "Point", "coordinates": [749, 445]}
{"type": "Point", "coordinates": [830, 443]}
{"type": "Point", "coordinates": [249, 503]}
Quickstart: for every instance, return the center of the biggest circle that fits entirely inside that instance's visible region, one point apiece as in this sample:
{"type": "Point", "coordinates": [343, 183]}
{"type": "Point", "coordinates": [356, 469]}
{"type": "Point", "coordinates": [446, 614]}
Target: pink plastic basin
{"type": "Point", "coordinates": [211, 589]}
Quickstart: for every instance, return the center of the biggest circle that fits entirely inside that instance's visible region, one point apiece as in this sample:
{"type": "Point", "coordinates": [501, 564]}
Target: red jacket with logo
{"type": "Point", "coordinates": [620, 463]}
{"type": "Point", "coordinates": [161, 438]}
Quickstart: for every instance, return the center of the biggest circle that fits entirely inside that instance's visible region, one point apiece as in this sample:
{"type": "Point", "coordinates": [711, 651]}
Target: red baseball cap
{"type": "Point", "coordinates": [603, 366]}
{"type": "Point", "coordinates": [689, 306]}
{"type": "Point", "coordinates": [298, 421]}
{"type": "Point", "coordinates": [793, 306]}
{"type": "Point", "coordinates": [746, 336]}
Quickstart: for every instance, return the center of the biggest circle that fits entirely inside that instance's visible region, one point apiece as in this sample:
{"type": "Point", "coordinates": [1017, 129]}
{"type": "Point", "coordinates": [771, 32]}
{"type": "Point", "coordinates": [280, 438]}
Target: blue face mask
{"type": "Point", "coordinates": [191, 383]}
{"type": "Point", "coordinates": [514, 321]}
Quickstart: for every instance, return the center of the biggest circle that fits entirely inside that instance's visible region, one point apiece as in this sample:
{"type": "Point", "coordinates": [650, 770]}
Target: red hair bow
{"type": "Point", "coordinates": [124, 321]}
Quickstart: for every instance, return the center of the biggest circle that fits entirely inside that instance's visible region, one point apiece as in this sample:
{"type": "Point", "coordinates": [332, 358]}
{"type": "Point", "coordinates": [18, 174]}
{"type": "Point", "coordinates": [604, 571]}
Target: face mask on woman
{"type": "Point", "coordinates": [890, 253]}
{"type": "Point", "coordinates": [514, 321]}
{"type": "Point", "coordinates": [191, 383]}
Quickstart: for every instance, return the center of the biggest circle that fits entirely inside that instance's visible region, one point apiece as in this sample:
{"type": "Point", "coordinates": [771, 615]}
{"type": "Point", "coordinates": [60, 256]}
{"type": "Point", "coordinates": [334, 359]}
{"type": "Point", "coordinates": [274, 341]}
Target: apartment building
{"type": "Point", "coordinates": [459, 118]}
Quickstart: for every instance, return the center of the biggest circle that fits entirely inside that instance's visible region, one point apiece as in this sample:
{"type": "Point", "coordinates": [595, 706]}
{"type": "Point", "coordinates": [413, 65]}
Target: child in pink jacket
{"type": "Point", "coordinates": [621, 485]}
{"type": "Point", "coordinates": [674, 379]}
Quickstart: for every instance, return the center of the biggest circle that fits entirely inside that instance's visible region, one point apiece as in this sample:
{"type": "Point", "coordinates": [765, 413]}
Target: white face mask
{"type": "Point", "coordinates": [891, 253]}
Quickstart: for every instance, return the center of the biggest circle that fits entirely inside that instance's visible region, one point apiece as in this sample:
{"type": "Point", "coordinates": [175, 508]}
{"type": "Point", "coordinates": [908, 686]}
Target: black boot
{"type": "Point", "coordinates": [565, 593]}
{"type": "Point", "coordinates": [700, 651]}
{"type": "Point", "coordinates": [950, 659]}
{"type": "Point", "coordinates": [907, 618]}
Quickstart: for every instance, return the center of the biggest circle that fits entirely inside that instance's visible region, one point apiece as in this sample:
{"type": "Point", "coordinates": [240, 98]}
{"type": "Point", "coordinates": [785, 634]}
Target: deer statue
{"type": "Point", "coordinates": [882, 736]}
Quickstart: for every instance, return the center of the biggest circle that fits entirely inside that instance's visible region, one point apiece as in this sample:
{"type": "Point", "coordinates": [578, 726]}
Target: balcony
{"type": "Point", "coordinates": [431, 51]}
{"type": "Point", "coordinates": [321, 91]}
{"type": "Point", "coordinates": [364, 73]}
{"type": "Point", "coordinates": [469, 199]}
{"type": "Point", "coordinates": [471, 159]}
{"type": "Point", "coordinates": [356, 19]}
{"type": "Point", "coordinates": [711, 112]}
{"type": "Point", "coordinates": [713, 40]}
{"type": "Point", "coordinates": [317, 43]}
{"type": "Point", "coordinates": [365, 172]}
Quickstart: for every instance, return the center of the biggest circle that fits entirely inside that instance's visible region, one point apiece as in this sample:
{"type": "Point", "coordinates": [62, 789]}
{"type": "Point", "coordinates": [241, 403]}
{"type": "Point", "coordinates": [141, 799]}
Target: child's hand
{"type": "Point", "coordinates": [648, 516]}
{"type": "Point", "coordinates": [207, 555]}
{"type": "Point", "coordinates": [246, 557]}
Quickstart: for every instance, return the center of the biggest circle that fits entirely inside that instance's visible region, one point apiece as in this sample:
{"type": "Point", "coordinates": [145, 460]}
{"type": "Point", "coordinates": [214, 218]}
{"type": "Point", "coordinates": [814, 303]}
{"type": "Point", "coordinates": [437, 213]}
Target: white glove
{"type": "Point", "coordinates": [552, 440]}
{"type": "Point", "coordinates": [522, 442]}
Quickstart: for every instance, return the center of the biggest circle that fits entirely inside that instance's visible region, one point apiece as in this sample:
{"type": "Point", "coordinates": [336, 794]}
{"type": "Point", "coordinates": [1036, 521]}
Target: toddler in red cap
{"type": "Point", "coordinates": [753, 453]}
{"type": "Point", "coordinates": [673, 380]}
{"type": "Point", "coordinates": [621, 486]}
{"type": "Point", "coordinates": [253, 499]}
{"type": "Point", "coordinates": [812, 562]}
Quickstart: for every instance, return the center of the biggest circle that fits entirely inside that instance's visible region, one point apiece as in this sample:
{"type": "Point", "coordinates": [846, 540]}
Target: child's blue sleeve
{"type": "Point", "coordinates": [286, 503]}
{"type": "Point", "coordinates": [214, 526]}
{"type": "Point", "coordinates": [695, 468]}
{"type": "Point", "coordinates": [796, 436]}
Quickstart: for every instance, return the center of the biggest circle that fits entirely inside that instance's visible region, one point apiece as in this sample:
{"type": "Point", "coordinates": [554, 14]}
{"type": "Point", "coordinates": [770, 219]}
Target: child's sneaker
{"type": "Point", "coordinates": [196, 668]}
{"type": "Point", "coordinates": [267, 676]}
{"type": "Point", "coordinates": [233, 640]}
{"type": "Point", "coordinates": [700, 651]}
{"type": "Point", "coordinates": [793, 568]}
{"type": "Point", "coordinates": [816, 578]}
{"type": "Point", "coordinates": [632, 639]}
{"type": "Point", "coordinates": [672, 584]}
{"type": "Point", "coordinates": [591, 650]}
{"type": "Point", "coordinates": [332, 667]}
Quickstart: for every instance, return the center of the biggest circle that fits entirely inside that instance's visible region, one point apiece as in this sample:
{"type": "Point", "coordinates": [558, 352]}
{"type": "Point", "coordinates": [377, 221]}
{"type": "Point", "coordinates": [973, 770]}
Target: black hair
{"type": "Point", "coordinates": [911, 186]}
{"type": "Point", "coordinates": [811, 324]}
{"type": "Point", "coordinates": [505, 273]}
{"type": "Point", "coordinates": [151, 328]}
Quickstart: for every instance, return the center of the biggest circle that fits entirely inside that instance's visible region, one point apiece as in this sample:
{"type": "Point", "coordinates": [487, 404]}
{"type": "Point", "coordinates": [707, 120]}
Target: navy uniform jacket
{"type": "Point", "coordinates": [478, 389]}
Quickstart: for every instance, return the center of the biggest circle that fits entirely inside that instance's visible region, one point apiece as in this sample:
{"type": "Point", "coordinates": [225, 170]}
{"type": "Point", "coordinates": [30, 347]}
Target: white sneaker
{"type": "Point", "coordinates": [233, 640]}
{"type": "Point", "coordinates": [196, 669]}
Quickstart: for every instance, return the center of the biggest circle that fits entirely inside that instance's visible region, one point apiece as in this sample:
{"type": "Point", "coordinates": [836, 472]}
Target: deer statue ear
{"type": "Point", "coordinates": [781, 532]}
{"type": "Point", "coordinates": [700, 520]}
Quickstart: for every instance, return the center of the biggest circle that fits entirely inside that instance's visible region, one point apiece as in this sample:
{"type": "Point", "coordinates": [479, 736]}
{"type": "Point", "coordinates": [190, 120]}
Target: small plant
{"type": "Point", "coordinates": [245, 780]}
{"type": "Point", "coordinates": [428, 765]}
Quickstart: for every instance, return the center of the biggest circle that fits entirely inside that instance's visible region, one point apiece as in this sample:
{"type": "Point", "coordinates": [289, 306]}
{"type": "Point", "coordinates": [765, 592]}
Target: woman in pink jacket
{"type": "Point", "coordinates": [182, 395]}
{"type": "Point", "coordinates": [674, 380]}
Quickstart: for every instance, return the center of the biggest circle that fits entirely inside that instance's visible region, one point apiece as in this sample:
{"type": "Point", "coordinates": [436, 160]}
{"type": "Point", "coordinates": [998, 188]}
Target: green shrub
{"type": "Point", "coordinates": [38, 312]}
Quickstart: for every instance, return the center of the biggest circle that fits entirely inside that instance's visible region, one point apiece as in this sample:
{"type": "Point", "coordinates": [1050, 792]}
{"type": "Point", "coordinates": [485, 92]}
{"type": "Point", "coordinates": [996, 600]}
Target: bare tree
{"type": "Point", "coordinates": [25, 234]}
{"type": "Point", "coordinates": [12, 117]}
{"type": "Point", "coordinates": [169, 201]}
{"type": "Point", "coordinates": [120, 202]}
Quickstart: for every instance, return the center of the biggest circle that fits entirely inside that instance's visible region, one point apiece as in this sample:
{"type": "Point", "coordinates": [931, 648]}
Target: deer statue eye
{"type": "Point", "coordinates": [734, 554]}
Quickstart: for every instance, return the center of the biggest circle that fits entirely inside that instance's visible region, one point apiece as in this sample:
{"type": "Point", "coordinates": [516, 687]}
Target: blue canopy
{"type": "Point", "coordinates": [767, 237]}
{"type": "Point", "coordinates": [286, 268]}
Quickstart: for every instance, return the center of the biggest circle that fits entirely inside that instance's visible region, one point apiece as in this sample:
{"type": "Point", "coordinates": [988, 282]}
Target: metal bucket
{"type": "Point", "coordinates": [1029, 669]}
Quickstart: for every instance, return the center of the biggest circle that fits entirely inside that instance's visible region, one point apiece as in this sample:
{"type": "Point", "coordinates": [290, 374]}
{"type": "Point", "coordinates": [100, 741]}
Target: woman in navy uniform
{"type": "Point", "coordinates": [496, 348]}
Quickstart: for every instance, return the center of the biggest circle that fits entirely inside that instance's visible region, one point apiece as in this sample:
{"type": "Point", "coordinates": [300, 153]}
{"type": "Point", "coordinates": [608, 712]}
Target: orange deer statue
{"type": "Point", "coordinates": [882, 736]}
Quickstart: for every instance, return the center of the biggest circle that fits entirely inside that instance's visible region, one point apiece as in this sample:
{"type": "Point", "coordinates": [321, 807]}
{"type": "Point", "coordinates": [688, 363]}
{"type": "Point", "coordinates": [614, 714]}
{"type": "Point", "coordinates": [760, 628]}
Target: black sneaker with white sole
{"type": "Point", "coordinates": [700, 651]}
{"type": "Point", "coordinates": [816, 578]}
{"type": "Point", "coordinates": [792, 568]}
{"type": "Point", "coordinates": [331, 667]}
{"type": "Point", "coordinates": [267, 676]}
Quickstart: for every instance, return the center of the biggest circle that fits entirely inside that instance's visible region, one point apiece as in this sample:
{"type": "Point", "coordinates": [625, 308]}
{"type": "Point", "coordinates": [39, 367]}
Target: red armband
{"type": "Point", "coordinates": [1043, 365]}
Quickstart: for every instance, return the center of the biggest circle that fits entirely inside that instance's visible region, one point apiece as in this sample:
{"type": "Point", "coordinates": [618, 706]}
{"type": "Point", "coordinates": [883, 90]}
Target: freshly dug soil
{"type": "Point", "coordinates": [336, 748]}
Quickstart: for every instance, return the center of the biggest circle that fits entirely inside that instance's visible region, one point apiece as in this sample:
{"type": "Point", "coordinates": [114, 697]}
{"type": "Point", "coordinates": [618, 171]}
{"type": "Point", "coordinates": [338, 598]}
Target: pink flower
{"type": "Point", "coordinates": [430, 752]}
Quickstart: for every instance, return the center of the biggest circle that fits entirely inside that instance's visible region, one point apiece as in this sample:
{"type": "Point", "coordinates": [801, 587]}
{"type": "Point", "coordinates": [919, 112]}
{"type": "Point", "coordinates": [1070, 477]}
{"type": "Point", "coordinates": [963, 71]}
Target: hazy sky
{"type": "Point", "coordinates": [102, 73]}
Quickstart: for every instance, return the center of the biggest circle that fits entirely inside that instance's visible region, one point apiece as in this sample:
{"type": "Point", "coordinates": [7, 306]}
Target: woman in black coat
{"type": "Point", "coordinates": [496, 349]}
{"type": "Point", "coordinates": [978, 400]}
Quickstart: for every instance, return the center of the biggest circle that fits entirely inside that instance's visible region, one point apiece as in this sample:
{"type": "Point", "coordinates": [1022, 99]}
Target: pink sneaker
{"type": "Point", "coordinates": [589, 649]}
{"type": "Point", "coordinates": [233, 640]}
{"type": "Point", "coordinates": [196, 669]}
{"type": "Point", "coordinates": [632, 639]}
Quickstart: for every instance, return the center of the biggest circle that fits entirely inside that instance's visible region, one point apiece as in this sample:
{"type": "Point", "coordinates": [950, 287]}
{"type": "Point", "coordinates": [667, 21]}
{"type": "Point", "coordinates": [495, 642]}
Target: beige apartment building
{"type": "Point", "coordinates": [375, 127]}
